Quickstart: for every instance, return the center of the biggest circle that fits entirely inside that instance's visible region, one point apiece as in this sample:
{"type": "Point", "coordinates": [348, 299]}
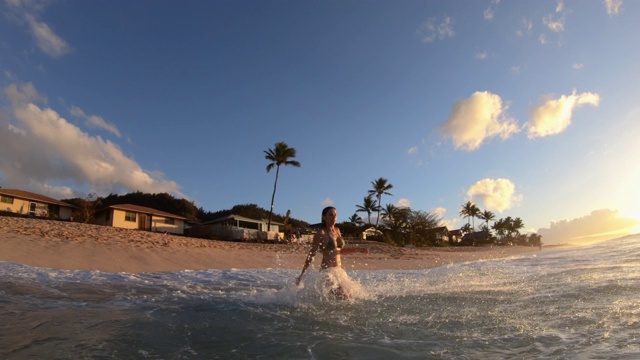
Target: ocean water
{"type": "Point", "coordinates": [569, 303]}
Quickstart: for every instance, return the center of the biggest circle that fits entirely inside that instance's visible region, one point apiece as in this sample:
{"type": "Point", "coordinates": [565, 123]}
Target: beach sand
{"type": "Point", "coordinates": [74, 246]}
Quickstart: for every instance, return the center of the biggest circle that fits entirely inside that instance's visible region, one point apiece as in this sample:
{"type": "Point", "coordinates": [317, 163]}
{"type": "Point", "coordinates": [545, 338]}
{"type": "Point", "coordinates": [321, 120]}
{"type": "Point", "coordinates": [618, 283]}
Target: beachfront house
{"type": "Point", "coordinates": [438, 236]}
{"type": "Point", "coordinates": [130, 216]}
{"type": "Point", "coordinates": [236, 227]}
{"type": "Point", "coordinates": [31, 204]}
{"type": "Point", "coordinates": [369, 232]}
{"type": "Point", "coordinates": [455, 236]}
{"type": "Point", "coordinates": [476, 238]}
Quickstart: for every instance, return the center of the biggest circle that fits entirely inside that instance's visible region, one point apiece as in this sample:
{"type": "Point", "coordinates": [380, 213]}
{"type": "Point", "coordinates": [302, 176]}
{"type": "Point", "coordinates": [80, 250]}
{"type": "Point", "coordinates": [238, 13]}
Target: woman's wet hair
{"type": "Point", "coordinates": [324, 212]}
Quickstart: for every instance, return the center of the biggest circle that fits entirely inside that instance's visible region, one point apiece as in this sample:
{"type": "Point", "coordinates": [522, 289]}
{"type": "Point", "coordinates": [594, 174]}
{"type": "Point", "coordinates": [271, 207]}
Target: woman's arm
{"type": "Point", "coordinates": [354, 251]}
{"type": "Point", "coordinates": [348, 251]}
{"type": "Point", "coordinates": [312, 253]}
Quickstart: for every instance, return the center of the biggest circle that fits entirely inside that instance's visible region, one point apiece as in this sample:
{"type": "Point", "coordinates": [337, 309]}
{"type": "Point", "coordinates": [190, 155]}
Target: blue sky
{"type": "Point", "coordinates": [527, 108]}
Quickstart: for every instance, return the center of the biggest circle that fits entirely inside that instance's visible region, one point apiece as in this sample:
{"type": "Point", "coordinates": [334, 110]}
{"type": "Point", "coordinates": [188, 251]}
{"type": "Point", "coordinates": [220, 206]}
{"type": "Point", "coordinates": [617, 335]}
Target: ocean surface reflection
{"type": "Point", "coordinates": [565, 303]}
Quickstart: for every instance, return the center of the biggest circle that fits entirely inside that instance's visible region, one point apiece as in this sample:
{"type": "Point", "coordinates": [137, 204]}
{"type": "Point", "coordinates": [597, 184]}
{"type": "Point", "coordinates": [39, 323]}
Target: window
{"type": "Point", "coordinates": [170, 221]}
{"type": "Point", "coordinates": [6, 199]}
{"type": "Point", "coordinates": [130, 216]}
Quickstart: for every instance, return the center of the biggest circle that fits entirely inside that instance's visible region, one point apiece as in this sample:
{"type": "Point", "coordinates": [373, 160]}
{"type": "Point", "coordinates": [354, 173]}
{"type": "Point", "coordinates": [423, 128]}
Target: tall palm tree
{"type": "Point", "coordinates": [467, 210]}
{"type": "Point", "coordinates": [369, 205]}
{"type": "Point", "coordinates": [470, 211]}
{"type": "Point", "coordinates": [475, 212]}
{"type": "Point", "coordinates": [380, 187]}
{"type": "Point", "coordinates": [487, 216]}
{"type": "Point", "coordinates": [279, 155]}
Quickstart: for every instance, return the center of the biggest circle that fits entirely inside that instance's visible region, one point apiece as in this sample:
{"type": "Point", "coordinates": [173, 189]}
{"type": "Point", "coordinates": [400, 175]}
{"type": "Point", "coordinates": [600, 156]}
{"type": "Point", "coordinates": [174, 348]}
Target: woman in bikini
{"type": "Point", "coordinates": [329, 240]}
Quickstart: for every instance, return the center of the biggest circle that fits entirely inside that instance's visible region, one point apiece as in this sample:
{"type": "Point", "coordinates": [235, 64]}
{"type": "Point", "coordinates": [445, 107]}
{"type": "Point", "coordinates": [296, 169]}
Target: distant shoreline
{"type": "Point", "coordinates": [76, 246]}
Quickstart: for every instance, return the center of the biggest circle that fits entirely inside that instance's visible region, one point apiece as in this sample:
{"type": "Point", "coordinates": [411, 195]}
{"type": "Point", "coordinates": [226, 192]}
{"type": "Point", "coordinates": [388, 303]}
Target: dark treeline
{"type": "Point", "coordinates": [87, 207]}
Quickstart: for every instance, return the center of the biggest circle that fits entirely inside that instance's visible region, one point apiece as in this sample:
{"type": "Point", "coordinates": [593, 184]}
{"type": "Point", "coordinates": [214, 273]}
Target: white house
{"type": "Point", "coordinates": [372, 231]}
{"type": "Point", "coordinates": [130, 216]}
{"type": "Point", "coordinates": [237, 227]}
{"type": "Point", "coordinates": [32, 204]}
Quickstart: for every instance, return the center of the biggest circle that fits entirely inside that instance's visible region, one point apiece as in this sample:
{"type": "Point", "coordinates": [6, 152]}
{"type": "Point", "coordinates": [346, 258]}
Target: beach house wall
{"type": "Point", "coordinates": [236, 227]}
{"type": "Point", "coordinates": [128, 216]}
{"type": "Point", "coordinates": [32, 204]}
{"type": "Point", "coordinates": [455, 236]}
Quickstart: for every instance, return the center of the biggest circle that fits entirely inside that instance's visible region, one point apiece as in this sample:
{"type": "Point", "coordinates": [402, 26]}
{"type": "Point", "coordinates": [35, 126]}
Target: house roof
{"type": "Point", "coordinates": [145, 210]}
{"type": "Point", "coordinates": [240, 218]}
{"type": "Point", "coordinates": [437, 230]}
{"type": "Point", "coordinates": [33, 197]}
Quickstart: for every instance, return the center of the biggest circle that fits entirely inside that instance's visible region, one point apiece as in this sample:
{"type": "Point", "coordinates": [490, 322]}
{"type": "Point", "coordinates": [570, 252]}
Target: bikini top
{"type": "Point", "coordinates": [331, 243]}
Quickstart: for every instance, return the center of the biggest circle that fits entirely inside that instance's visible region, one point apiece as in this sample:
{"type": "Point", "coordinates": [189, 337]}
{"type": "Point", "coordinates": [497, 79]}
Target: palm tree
{"type": "Point", "coordinates": [355, 219]}
{"type": "Point", "coordinates": [369, 205]}
{"type": "Point", "coordinates": [475, 212]}
{"type": "Point", "coordinates": [517, 224]}
{"type": "Point", "coordinates": [468, 210]}
{"type": "Point", "coordinates": [500, 228]}
{"type": "Point", "coordinates": [389, 210]}
{"type": "Point", "coordinates": [279, 155]}
{"type": "Point", "coordinates": [487, 216]}
{"type": "Point", "coordinates": [380, 187]}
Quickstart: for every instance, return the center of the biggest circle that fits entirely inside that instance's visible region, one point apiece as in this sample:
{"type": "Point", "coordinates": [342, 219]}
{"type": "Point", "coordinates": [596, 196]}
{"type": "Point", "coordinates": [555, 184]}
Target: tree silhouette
{"type": "Point", "coordinates": [279, 155]}
{"type": "Point", "coordinates": [470, 211]}
{"type": "Point", "coordinates": [487, 216]}
{"type": "Point", "coordinates": [355, 219]}
{"type": "Point", "coordinates": [368, 206]}
{"type": "Point", "coordinates": [380, 187]}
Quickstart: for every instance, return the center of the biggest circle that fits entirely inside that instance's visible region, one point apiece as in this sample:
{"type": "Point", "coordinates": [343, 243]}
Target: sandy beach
{"type": "Point", "coordinates": [74, 246]}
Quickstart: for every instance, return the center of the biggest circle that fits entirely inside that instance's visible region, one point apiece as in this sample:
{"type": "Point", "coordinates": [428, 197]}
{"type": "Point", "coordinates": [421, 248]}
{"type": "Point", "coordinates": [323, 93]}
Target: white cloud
{"type": "Point", "coordinates": [555, 25]}
{"type": "Point", "coordinates": [577, 66]}
{"type": "Point", "coordinates": [412, 150]}
{"type": "Point", "coordinates": [527, 25]}
{"type": "Point", "coordinates": [46, 39]}
{"type": "Point", "coordinates": [327, 202]}
{"type": "Point", "coordinates": [603, 224]}
{"type": "Point", "coordinates": [482, 55]}
{"type": "Point", "coordinates": [16, 130]}
{"type": "Point", "coordinates": [403, 203]}
{"type": "Point", "coordinates": [542, 39]}
{"type": "Point", "coordinates": [433, 29]}
{"type": "Point", "coordinates": [476, 119]}
{"type": "Point", "coordinates": [451, 224]}
{"type": "Point", "coordinates": [51, 150]}
{"type": "Point", "coordinates": [23, 93]}
{"type": "Point", "coordinates": [489, 12]}
{"type": "Point", "coordinates": [495, 194]}
{"type": "Point", "coordinates": [95, 121]}
{"type": "Point", "coordinates": [439, 212]}
{"type": "Point", "coordinates": [553, 116]}
{"type": "Point", "coordinates": [613, 6]}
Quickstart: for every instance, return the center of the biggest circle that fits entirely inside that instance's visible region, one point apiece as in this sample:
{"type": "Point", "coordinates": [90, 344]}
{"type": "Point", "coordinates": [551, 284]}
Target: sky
{"type": "Point", "coordinates": [529, 109]}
